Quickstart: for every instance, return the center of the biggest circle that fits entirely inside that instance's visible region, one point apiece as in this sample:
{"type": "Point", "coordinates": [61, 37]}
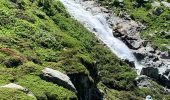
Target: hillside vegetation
{"type": "Point", "coordinates": [35, 34]}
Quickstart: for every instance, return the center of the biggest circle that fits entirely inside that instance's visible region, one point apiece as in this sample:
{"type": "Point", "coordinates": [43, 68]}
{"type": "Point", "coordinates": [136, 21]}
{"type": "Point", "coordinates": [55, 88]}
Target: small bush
{"type": "Point", "coordinates": [13, 62]}
{"type": "Point", "coordinates": [20, 14]}
{"type": "Point", "coordinates": [6, 19]}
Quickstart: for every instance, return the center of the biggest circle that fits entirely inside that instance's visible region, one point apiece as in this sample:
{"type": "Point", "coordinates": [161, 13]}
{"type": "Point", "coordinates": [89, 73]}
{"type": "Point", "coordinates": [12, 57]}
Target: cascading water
{"type": "Point", "coordinates": [98, 25]}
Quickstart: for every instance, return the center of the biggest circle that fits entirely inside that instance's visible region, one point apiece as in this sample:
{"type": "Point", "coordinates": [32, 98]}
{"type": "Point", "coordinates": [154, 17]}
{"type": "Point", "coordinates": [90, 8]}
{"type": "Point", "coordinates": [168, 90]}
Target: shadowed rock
{"type": "Point", "coordinates": [151, 72]}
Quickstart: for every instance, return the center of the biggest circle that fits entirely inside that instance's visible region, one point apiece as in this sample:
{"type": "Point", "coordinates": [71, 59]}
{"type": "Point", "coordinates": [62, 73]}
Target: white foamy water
{"type": "Point", "coordinates": [98, 25]}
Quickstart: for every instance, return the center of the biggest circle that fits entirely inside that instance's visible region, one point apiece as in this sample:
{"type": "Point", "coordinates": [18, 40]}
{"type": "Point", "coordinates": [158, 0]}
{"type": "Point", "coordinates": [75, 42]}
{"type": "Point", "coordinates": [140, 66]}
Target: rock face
{"type": "Point", "coordinates": [127, 31]}
{"type": "Point", "coordinates": [86, 88]}
{"type": "Point", "coordinates": [18, 87]}
{"type": "Point", "coordinates": [58, 78]}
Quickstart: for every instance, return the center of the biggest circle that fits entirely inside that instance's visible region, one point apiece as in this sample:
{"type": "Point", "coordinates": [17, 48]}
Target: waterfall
{"type": "Point", "coordinates": [98, 25]}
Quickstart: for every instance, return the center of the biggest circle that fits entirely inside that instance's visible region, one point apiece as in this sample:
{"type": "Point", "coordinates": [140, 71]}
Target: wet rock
{"type": "Point", "coordinates": [58, 78]}
{"type": "Point", "coordinates": [130, 63]}
{"type": "Point", "coordinates": [143, 52]}
{"type": "Point", "coordinates": [162, 79]}
{"type": "Point", "coordinates": [158, 64]}
{"type": "Point", "coordinates": [150, 49]}
{"type": "Point", "coordinates": [150, 72]}
{"type": "Point", "coordinates": [158, 11]}
{"type": "Point", "coordinates": [148, 97]}
{"type": "Point", "coordinates": [154, 73]}
{"type": "Point", "coordinates": [167, 72]}
{"type": "Point", "coordinates": [139, 56]}
{"type": "Point", "coordinates": [134, 44]}
{"type": "Point", "coordinates": [169, 76]}
{"type": "Point", "coordinates": [142, 81]}
{"type": "Point", "coordinates": [18, 87]}
{"type": "Point", "coordinates": [167, 90]}
{"type": "Point", "coordinates": [164, 55]}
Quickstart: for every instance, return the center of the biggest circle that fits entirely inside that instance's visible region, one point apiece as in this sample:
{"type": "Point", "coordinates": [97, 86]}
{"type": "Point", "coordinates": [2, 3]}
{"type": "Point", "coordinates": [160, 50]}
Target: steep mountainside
{"type": "Point", "coordinates": [36, 34]}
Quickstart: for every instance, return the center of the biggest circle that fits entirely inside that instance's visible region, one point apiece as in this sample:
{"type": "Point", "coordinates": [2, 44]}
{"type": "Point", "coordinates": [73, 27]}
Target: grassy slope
{"type": "Point", "coordinates": [35, 34]}
{"type": "Point", "coordinates": [145, 13]}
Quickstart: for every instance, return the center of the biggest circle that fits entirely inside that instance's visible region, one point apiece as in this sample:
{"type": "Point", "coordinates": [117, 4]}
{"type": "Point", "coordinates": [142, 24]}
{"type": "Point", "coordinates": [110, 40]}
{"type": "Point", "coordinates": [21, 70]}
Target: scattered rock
{"type": "Point", "coordinates": [148, 97]}
{"type": "Point", "coordinates": [139, 56]}
{"type": "Point", "coordinates": [18, 87]}
{"type": "Point", "coordinates": [158, 11]}
{"type": "Point", "coordinates": [167, 90]}
{"type": "Point", "coordinates": [164, 55]}
{"type": "Point", "coordinates": [58, 78]}
{"type": "Point", "coordinates": [142, 81]}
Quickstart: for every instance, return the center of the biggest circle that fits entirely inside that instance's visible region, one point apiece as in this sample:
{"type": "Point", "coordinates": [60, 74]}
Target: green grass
{"type": "Point", "coordinates": [45, 90]}
{"type": "Point", "coordinates": [12, 94]}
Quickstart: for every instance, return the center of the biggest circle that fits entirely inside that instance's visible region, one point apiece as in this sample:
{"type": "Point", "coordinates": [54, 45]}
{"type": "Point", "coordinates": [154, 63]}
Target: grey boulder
{"type": "Point", "coordinates": [57, 77]}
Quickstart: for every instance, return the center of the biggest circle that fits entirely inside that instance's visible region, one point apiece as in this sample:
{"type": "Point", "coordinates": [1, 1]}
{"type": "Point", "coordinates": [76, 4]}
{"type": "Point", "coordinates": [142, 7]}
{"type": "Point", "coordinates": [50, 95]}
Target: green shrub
{"type": "Point", "coordinates": [6, 18]}
{"type": "Point", "coordinates": [13, 62]}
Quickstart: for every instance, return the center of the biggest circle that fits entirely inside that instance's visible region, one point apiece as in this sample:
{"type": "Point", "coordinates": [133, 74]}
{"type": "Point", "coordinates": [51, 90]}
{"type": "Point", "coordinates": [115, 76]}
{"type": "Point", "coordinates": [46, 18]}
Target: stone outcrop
{"type": "Point", "coordinates": [58, 78]}
{"type": "Point", "coordinates": [86, 87]}
{"type": "Point", "coordinates": [18, 87]}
